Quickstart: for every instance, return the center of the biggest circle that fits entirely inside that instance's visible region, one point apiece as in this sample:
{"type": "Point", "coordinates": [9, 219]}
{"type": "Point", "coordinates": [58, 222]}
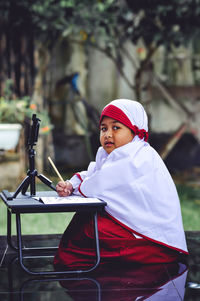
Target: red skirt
{"type": "Point", "coordinates": [117, 245]}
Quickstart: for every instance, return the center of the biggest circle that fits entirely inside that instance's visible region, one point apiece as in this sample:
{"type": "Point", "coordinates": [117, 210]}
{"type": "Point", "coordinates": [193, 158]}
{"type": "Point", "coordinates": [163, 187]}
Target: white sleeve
{"type": "Point", "coordinates": [79, 177]}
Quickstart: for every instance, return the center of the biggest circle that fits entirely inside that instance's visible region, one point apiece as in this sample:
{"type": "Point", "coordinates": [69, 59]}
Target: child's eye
{"type": "Point", "coordinates": [103, 129]}
{"type": "Point", "coordinates": [116, 127]}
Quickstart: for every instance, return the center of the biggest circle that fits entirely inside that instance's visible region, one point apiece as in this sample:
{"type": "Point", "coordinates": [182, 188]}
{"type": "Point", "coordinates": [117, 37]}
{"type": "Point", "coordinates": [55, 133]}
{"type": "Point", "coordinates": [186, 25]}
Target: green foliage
{"type": "Point", "coordinates": [14, 111]}
{"type": "Point", "coordinates": [17, 110]}
{"type": "Point", "coordinates": [157, 22]}
{"type": "Point", "coordinates": [166, 22]}
{"type": "Point", "coordinates": [107, 25]}
{"type": "Point", "coordinates": [56, 17]}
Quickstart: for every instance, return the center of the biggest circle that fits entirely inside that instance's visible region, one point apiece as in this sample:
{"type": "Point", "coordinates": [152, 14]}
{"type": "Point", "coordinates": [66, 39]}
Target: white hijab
{"type": "Point", "coordinates": [136, 185]}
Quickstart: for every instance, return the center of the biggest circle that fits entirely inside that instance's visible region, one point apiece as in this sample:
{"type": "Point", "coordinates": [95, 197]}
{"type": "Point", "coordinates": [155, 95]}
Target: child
{"type": "Point", "coordinates": [142, 220]}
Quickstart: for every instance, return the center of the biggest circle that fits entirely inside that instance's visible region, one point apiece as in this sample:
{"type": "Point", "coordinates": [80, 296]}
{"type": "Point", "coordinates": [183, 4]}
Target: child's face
{"type": "Point", "coordinates": [114, 134]}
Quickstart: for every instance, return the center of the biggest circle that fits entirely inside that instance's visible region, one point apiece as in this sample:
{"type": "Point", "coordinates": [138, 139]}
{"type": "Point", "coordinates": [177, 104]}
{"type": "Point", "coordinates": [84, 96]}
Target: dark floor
{"type": "Point", "coordinates": [154, 283]}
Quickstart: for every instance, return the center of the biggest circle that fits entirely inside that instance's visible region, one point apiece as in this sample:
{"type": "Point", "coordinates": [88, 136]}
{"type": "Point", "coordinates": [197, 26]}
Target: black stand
{"type": "Point", "coordinates": [32, 172]}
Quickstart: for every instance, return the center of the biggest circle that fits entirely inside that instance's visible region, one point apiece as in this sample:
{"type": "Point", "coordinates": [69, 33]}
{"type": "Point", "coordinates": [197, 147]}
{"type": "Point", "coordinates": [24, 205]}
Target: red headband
{"type": "Point", "coordinates": [117, 114]}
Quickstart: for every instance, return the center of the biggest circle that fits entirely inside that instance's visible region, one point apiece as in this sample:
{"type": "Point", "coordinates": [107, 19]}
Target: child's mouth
{"type": "Point", "coordinates": [109, 143]}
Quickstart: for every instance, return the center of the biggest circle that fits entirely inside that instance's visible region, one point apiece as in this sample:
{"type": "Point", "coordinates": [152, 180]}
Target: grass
{"type": "Point", "coordinates": [49, 223]}
{"type": "Point", "coordinates": [55, 223]}
{"type": "Point", "coordinates": [190, 206]}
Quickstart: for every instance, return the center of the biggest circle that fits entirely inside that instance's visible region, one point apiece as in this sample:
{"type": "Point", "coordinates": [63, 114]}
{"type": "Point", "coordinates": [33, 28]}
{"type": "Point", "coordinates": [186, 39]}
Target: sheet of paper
{"type": "Point", "coordinates": [73, 199]}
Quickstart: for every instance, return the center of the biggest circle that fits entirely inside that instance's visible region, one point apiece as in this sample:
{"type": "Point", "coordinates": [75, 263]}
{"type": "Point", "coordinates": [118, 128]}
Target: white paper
{"type": "Point", "coordinates": [73, 199]}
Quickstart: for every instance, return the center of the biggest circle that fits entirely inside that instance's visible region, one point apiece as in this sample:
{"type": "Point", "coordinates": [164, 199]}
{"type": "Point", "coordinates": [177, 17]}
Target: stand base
{"type": "Point", "coordinates": [24, 186]}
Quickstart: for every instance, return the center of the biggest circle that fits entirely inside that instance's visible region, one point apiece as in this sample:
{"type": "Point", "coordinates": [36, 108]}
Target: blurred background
{"type": "Point", "coordinates": [66, 59]}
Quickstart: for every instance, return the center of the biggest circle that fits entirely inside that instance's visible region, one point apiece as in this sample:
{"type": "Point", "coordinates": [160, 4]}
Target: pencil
{"type": "Point", "coordinates": [54, 167]}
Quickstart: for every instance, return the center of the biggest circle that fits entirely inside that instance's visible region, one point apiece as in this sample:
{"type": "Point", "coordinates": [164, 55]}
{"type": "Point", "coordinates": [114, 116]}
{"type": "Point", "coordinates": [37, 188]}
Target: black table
{"type": "Point", "coordinates": [26, 204]}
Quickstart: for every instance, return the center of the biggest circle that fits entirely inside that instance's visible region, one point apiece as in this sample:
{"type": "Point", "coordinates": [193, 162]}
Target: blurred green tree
{"type": "Point", "coordinates": [108, 24]}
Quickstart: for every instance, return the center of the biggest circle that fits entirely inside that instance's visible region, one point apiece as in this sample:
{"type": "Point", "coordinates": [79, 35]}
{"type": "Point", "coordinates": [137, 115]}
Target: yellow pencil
{"type": "Point", "coordinates": [54, 167]}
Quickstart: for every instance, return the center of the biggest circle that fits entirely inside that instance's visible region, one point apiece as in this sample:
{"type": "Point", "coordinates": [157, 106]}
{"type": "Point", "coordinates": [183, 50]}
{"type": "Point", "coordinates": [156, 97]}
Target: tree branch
{"type": "Point", "coordinates": [128, 56]}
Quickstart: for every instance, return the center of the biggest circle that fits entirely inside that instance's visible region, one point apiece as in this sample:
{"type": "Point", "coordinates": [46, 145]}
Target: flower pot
{"type": "Point", "coordinates": [9, 135]}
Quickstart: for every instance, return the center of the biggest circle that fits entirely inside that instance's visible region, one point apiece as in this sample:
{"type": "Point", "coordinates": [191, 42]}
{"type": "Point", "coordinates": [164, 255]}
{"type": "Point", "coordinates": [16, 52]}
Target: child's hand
{"type": "Point", "coordinates": [64, 188]}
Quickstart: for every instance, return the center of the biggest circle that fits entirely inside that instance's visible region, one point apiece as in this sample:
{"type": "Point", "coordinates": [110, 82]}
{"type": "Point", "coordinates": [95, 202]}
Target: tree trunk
{"type": "Point", "coordinates": [42, 58]}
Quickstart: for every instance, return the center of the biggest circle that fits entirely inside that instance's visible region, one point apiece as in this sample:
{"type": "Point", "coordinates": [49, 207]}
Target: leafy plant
{"type": "Point", "coordinates": [17, 110]}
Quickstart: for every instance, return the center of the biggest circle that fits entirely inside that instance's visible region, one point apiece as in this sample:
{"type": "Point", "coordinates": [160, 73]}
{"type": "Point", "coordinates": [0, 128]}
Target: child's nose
{"type": "Point", "coordinates": [109, 133]}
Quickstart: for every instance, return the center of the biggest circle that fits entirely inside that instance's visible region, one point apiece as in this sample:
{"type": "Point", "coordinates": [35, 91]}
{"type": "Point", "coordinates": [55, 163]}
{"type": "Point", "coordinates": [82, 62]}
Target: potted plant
{"type": "Point", "coordinates": [13, 113]}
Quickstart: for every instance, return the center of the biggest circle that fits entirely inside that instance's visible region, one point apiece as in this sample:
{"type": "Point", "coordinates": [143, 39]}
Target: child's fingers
{"type": "Point", "coordinates": [64, 188]}
{"type": "Point", "coordinates": [64, 193]}
{"type": "Point", "coordinates": [62, 184]}
{"type": "Point", "coordinates": [59, 188]}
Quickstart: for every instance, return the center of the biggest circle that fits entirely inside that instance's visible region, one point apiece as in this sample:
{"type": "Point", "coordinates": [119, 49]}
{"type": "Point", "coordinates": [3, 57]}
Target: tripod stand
{"type": "Point", "coordinates": [32, 172]}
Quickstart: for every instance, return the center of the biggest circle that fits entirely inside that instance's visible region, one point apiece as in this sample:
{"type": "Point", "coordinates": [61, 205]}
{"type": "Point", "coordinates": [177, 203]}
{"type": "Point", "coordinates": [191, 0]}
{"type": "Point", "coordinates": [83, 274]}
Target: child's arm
{"type": "Point", "coordinates": [65, 188]}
